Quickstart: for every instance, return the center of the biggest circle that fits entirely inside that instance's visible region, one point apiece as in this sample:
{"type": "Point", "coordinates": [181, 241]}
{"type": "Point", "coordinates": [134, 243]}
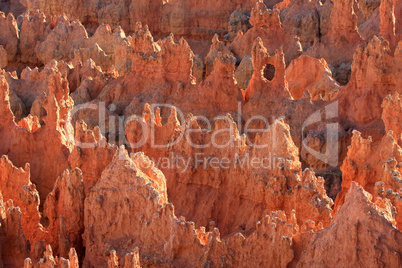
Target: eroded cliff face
{"type": "Point", "coordinates": [375, 74]}
{"type": "Point", "coordinates": [351, 233]}
{"type": "Point", "coordinates": [319, 83]}
{"type": "Point", "coordinates": [267, 26]}
{"type": "Point", "coordinates": [200, 133]}
{"type": "Point", "coordinates": [265, 189]}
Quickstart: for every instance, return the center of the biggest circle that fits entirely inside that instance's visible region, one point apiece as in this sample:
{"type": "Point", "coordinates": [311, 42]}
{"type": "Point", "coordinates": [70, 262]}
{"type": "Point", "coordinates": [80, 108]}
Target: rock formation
{"type": "Point", "coordinates": [302, 19]}
{"type": "Point", "coordinates": [368, 163]}
{"type": "Point", "coordinates": [266, 25]}
{"type": "Point", "coordinates": [260, 133]}
{"type": "Point", "coordinates": [374, 75]}
{"type": "Point", "coordinates": [9, 37]}
{"type": "Point", "coordinates": [319, 83]}
{"type": "Point", "coordinates": [377, 239]}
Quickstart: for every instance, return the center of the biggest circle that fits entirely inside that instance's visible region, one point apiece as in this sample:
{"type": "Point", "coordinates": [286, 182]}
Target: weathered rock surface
{"type": "Point", "coordinates": [257, 184]}
{"type": "Point", "coordinates": [267, 26]}
{"type": "Point", "coordinates": [21, 146]}
{"type": "Point", "coordinates": [141, 201]}
{"type": "Point", "coordinates": [9, 36]}
{"type": "Point", "coordinates": [3, 58]}
{"type": "Point", "coordinates": [200, 133]}
{"type": "Point", "coordinates": [369, 163]}
{"type": "Point", "coordinates": [12, 6]}
{"type": "Point", "coordinates": [374, 75]}
{"type": "Point", "coordinates": [301, 18]}
{"type": "Point", "coordinates": [342, 37]}
{"type": "Point", "coordinates": [376, 238]}
{"type": "Point", "coordinates": [319, 82]}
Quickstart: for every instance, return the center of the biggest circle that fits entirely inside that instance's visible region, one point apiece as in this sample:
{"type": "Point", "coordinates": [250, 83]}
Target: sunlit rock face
{"type": "Point", "coordinates": [200, 133]}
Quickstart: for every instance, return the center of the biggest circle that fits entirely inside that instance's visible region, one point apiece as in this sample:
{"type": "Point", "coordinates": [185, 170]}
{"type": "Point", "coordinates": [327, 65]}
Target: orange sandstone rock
{"type": "Point", "coordinates": [23, 146]}
{"type": "Point", "coordinates": [267, 26]}
{"type": "Point", "coordinates": [374, 76]}
{"type": "Point", "coordinates": [392, 115]}
{"type": "Point", "coordinates": [200, 175]}
{"type": "Point", "coordinates": [3, 58]}
{"type": "Point", "coordinates": [14, 244]}
{"type": "Point", "coordinates": [261, 61]}
{"type": "Point", "coordinates": [65, 212]}
{"type": "Point", "coordinates": [92, 154]}
{"type": "Point", "coordinates": [319, 82]}
{"type": "Point", "coordinates": [367, 165]}
{"type": "Point", "coordinates": [338, 44]}
{"type": "Point", "coordinates": [9, 36]}
{"type": "Point", "coordinates": [102, 207]}
{"type": "Point", "coordinates": [301, 18]}
{"type": "Point", "coordinates": [348, 230]}
{"type": "Point", "coordinates": [137, 190]}
{"type": "Point", "coordinates": [217, 47]}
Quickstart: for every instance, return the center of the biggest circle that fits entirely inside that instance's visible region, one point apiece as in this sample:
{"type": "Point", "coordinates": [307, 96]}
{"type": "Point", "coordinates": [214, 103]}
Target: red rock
{"type": "Point", "coordinates": [11, 234]}
{"type": "Point", "coordinates": [261, 61]}
{"type": "Point", "coordinates": [301, 18]}
{"type": "Point", "coordinates": [9, 35]}
{"type": "Point", "coordinates": [367, 165]}
{"type": "Point", "coordinates": [339, 43]}
{"type": "Point", "coordinates": [12, 6]}
{"type": "Point", "coordinates": [319, 83]}
{"type": "Point", "coordinates": [31, 123]}
{"type": "Point", "coordinates": [398, 12]}
{"type": "Point", "coordinates": [212, 17]}
{"type": "Point", "coordinates": [34, 29]}
{"type": "Point", "coordinates": [25, 145]}
{"type": "Point", "coordinates": [374, 76]}
{"type": "Point", "coordinates": [16, 186]}
{"type": "Point", "coordinates": [267, 26]}
{"type": "Point", "coordinates": [49, 260]}
{"type": "Point", "coordinates": [182, 180]}
{"type": "Point", "coordinates": [392, 115]}
{"type": "Point", "coordinates": [65, 210]}
{"type": "Point", "coordinates": [244, 72]}
{"type": "Point", "coordinates": [388, 23]}
{"type": "Point", "coordinates": [154, 210]}
{"type": "Point", "coordinates": [376, 238]}
{"type": "Point", "coordinates": [71, 78]}
{"type": "Point", "coordinates": [392, 198]}
{"type": "Point", "coordinates": [92, 154]}
{"type": "Point", "coordinates": [216, 48]}
{"type": "Point", "coordinates": [3, 58]}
